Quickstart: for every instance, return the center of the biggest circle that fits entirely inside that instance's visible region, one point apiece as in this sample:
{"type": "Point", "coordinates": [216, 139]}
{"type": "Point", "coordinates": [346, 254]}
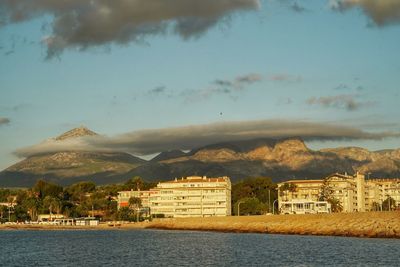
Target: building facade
{"type": "Point", "coordinates": [192, 197]}
{"type": "Point", "coordinates": [186, 197]}
{"type": "Point", "coordinates": [381, 189]}
{"type": "Point", "coordinates": [354, 192]}
{"type": "Point", "coordinates": [124, 196]}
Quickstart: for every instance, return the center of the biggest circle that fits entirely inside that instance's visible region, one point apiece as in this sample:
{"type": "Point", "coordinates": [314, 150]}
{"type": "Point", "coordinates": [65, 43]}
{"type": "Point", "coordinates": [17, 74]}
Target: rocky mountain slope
{"type": "Point", "coordinates": [278, 159]}
{"type": "Point", "coordinates": [69, 167]}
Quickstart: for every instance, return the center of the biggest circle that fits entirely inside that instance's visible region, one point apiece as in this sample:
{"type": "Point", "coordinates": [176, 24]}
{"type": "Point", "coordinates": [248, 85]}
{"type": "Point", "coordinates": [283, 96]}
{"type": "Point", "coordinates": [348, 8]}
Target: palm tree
{"type": "Point", "coordinates": [283, 190]}
{"type": "Point", "coordinates": [32, 204]}
{"type": "Point", "coordinates": [292, 189]}
{"type": "Point", "coordinates": [135, 203]}
{"type": "Point", "coordinates": [51, 203]}
{"type": "Point", "coordinates": [288, 187]}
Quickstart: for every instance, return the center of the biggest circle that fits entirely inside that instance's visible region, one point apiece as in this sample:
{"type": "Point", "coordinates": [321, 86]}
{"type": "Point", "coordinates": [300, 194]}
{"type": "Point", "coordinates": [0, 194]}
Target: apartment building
{"type": "Point", "coordinates": [350, 190]}
{"type": "Point", "coordinates": [193, 196]}
{"type": "Point", "coordinates": [124, 196]}
{"type": "Point", "coordinates": [380, 189]}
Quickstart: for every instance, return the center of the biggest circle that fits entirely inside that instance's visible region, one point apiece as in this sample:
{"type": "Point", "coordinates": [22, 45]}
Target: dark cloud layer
{"type": "Point", "coordinates": [382, 12]}
{"type": "Point", "coordinates": [147, 142]}
{"type": "Point", "coordinates": [87, 23]}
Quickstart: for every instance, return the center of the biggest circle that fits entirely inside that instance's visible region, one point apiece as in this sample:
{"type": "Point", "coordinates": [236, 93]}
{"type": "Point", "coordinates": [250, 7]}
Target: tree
{"type": "Point", "coordinates": [389, 204]}
{"type": "Point", "coordinates": [3, 213]}
{"type": "Point", "coordinates": [261, 188]}
{"type": "Point", "coordinates": [52, 203]}
{"type": "Point", "coordinates": [336, 205]}
{"type": "Point", "coordinates": [125, 214]}
{"type": "Point", "coordinates": [288, 187]}
{"type": "Point", "coordinates": [32, 204]}
{"type": "Point", "coordinates": [79, 191]}
{"type": "Point", "coordinates": [135, 203]}
{"type": "Point", "coordinates": [43, 189]}
{"type": "Point", "coordinates": [376, 206]}
{"type": "Point", "coordinates": [136, 183]}
{"type": "Point", "coordinates": [327, 194]}
{"type": "Point", "coordinates": [250, 206]}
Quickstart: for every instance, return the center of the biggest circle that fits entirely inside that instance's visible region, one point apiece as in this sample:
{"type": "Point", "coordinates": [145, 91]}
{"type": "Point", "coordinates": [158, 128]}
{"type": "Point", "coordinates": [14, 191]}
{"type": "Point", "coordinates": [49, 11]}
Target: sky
{"type": "Point", "coordinates": [154, 75]}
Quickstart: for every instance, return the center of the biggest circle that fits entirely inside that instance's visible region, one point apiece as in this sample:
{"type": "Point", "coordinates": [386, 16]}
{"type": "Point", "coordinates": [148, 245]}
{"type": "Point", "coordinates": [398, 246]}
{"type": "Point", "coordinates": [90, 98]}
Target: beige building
{"type": "Point", "coordinates": [186, 197]}
{"type": "Point", "coordinates": [192, 197]}
{"type": "Point", "coordinates": [381, 189]}
{"type": "Point", "coordinates": [124, 196]}
{"type": "Point", "coordinates": [352, 191]}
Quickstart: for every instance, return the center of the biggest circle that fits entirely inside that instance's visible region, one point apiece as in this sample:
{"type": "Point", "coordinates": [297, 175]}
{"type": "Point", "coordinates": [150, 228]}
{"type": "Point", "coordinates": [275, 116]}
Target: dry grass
{"type": "Point", "coordinates": [367, 224]}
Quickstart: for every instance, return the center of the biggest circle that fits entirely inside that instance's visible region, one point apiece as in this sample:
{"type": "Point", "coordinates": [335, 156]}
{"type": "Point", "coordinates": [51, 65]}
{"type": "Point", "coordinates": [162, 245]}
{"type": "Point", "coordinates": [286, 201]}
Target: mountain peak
{"type": "Point", "coordinates": [76, 132]}
{"type": "Point", "coordinates": [166, 155]}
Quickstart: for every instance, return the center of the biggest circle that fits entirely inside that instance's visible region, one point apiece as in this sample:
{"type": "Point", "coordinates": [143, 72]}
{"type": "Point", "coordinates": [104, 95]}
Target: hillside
{"type": "Point", "coordinates": [278, 159]}
{"type": "Point", "coordinates": [69, 167]}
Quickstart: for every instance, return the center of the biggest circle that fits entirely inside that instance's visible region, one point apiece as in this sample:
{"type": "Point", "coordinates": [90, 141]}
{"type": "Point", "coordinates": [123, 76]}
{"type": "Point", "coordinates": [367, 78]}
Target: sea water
{"type": "Point", "coordinates": [190, 248]}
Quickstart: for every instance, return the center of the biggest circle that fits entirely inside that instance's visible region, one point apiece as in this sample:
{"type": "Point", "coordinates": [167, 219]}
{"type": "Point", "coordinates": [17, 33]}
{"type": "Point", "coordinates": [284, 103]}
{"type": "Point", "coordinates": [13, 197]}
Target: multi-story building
{"type": "Point", "coordinates": [124, 196]}
{"type": "Point", "coordinates": [192, 197]}
{"type": "Point", "coordinates": [349, 190]}
{"type": "Point", "coordinates": [186, 197]}
{"type": "Point", "coordinates": [382, 189]}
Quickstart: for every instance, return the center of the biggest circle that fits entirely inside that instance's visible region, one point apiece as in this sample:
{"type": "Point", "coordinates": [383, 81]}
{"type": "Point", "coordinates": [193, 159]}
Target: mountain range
{"type": "Point", "coordinates": [279, 159]}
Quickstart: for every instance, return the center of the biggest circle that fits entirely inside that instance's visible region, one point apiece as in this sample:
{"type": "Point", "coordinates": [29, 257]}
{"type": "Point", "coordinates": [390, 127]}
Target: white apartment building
{"type": "Point", "coordinates": [381, 189]}
{"type": "Point", "coordinates": [352, 191]}
{"type": "Point", "coordinates": [193, 196]}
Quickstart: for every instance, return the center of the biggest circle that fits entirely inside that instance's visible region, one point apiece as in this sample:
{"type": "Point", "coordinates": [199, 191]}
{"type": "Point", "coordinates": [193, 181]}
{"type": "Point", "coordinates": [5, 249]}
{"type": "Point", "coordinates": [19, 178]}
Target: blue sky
{"type": "Point", "coordinates": [314, 65]}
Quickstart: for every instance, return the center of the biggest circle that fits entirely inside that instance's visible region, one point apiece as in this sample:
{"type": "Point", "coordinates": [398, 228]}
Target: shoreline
{"type": "Point", "coordinates": [365, 224]}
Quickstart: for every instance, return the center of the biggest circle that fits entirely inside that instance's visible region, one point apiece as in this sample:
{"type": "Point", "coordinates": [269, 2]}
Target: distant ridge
{"type": "Point", "coordinates": [67, 167]}
{"type": "Point", "coordinates": [283, 159]}
{"type": "Point", "coordinates": [167, 155]}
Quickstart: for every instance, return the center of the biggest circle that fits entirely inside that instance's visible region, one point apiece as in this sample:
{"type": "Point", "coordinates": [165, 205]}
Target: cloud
{"type": "Point", "coordinates": [296, 7]}
{"type": "Point", "coordinates": [145, 142]}
{"type": "Point", "coordinates": [347, 102]}
{"type": "Point", "coordinates": [4, 121]}
{"type": "Point", "coordinates": [248, 79]}
{"type": "Point", "coordinates": [88, 23]}
{"type": "Point", "coordinates": [381, 12]}
{"type": "Point", "coordinates": [158, 90]}
{"type": "Point", "coordinates": [342, 86]}
{"type": "Point", "coordinates": [293, 6]}
{"type": "Point", "coordinates": [281, 77]}
{"type": "Point", "coordinates": [205, 93]}
{"type": "Point", "coordinates": [10, 52]}
{"type": "Point", "coordinates": [223, 87]}
{"type": "Point", "coordinates": [240, 81]}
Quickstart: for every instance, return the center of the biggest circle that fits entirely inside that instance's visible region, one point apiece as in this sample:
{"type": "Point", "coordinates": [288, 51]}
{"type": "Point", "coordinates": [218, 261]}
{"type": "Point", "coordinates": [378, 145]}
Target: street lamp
{"type": "Point", "coordinates": [273, 206]}
{"type": "Point", "coordinates": [269, 200]}
{"type": "Point", "coordinates": [240, 202]}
